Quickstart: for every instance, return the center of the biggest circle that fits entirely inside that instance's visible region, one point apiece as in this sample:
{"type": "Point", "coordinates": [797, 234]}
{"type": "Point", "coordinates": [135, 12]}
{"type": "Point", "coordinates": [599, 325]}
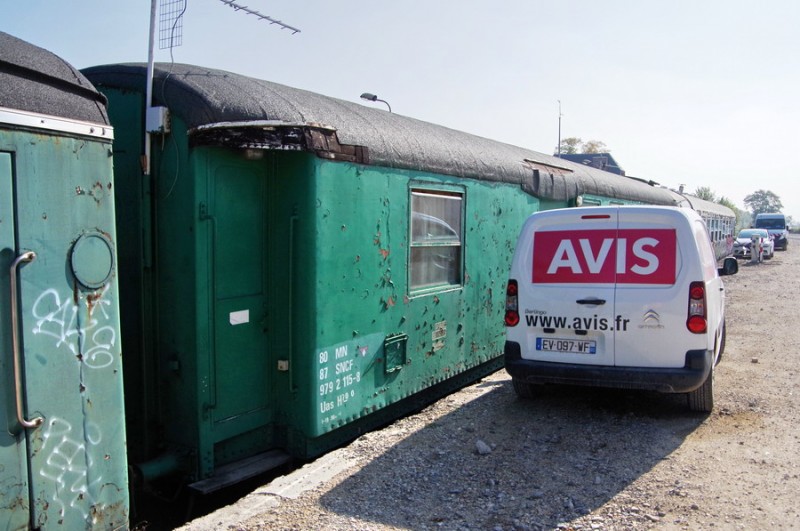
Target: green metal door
{"type": "Point", "coordinates": [62, 444]}
{"type": "Point", "coordinates": [240, 301]}
{"type": "Point", "coordinates": [14, 502]}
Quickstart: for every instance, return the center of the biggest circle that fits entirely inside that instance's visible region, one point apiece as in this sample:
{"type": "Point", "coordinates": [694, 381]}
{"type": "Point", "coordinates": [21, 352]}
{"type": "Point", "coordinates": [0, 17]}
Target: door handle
{"type": "Point", "coordinates": [596, 302]}
{"type": "Point", "coordinates": [24, 258]}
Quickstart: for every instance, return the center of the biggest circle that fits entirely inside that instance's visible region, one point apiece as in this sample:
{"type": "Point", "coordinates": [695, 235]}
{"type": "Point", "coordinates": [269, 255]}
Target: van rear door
{"type": "Point", "coordinates": [652, 293]}
{"type": "Point", "coordinates": [566, 275]}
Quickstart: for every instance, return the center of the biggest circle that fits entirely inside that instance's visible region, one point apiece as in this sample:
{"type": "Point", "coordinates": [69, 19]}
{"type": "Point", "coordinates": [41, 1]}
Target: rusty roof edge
{"type": "Point", "coordinates": [258, 124]}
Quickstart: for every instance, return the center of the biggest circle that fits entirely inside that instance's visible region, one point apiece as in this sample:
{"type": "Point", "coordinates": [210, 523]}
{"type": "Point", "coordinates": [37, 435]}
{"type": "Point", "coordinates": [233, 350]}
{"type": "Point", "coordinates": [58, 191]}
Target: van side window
{"type": "Point", "coordinates": [436, 239]}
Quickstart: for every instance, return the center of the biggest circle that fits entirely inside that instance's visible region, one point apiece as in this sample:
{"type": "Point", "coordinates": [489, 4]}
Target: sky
{"type": "Point", "coordinates": [704, 93]}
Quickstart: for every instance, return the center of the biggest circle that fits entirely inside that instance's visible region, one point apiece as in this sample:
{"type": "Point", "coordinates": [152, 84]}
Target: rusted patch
{"type": "Point", "coordinates": [98, 193]}
{"type": "Point", "coordinates": [439, 330]}
{"type": "Point", "coordinates": [384, 253]}
{"type": "Point", "coordinates": [91, 301]}
{"type": "Point", "coordinates": [112, 515]}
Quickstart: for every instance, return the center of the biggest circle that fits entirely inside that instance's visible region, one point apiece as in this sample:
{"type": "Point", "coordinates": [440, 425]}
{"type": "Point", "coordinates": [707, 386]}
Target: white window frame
{"type": "Point", "coordinates": [436, 229]}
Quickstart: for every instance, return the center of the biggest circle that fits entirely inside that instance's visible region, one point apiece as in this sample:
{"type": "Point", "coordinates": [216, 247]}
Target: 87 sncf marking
{"type": "Point", "coordinates": [606, 256]}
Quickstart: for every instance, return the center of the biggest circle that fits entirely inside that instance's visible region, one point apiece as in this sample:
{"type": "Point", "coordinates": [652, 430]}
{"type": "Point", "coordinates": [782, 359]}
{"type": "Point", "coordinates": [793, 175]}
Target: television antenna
{"type": "Point", "coordinates": [170, 23]}
{"type": "Point", "coordinates": [269, 19]}
{"type": "Point", "coordinates": [171, 36]}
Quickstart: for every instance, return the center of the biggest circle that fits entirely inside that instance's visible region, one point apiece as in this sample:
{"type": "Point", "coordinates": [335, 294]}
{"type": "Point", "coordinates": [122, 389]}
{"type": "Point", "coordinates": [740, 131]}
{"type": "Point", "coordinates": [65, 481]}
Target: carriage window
{"type": "Point", "coordinates": [436, 239]}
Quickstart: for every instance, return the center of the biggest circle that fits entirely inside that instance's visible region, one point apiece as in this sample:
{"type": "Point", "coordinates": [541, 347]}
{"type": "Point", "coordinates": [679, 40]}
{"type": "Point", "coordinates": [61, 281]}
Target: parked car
{"type": "Point", "coordinates": [744, 241]}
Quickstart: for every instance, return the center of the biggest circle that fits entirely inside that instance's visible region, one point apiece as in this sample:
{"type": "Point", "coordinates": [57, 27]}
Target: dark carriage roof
{"type": "Point", "coordinates": [35, 80]}
{"type": "Point", "coordinates": [202, 96]}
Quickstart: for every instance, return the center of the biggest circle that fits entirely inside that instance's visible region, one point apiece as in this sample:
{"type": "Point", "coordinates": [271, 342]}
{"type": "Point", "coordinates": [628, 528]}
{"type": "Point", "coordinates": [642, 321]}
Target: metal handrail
{"type": "Point", "coordinates": [25, 258]}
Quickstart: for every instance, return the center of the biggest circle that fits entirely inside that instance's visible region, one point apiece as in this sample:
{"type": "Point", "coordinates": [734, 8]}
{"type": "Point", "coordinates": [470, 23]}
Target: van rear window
{"type": "Point", "coordinates": [607, 256]}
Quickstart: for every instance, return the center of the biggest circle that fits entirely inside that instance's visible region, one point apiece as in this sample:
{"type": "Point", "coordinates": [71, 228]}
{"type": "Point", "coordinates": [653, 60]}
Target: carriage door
{"type": "Point", "coordinates": [14, 502]}
{"type": "Point", "coordinates": [62, 439]}
{"type": "Point", "coordinates": [238, 196]}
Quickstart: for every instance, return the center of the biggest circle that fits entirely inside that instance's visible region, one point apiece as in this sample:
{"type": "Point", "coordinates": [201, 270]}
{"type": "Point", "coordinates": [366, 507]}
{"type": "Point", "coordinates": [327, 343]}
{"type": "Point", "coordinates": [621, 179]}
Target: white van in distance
{"type": "Point", "coordinates": [625, 297]}
{"type": "Point", "coordinates": [775, 223]}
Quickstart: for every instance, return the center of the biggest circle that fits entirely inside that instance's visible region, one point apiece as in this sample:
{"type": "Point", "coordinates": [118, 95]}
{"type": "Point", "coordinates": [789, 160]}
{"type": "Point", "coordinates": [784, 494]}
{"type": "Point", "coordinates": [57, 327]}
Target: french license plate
{"type": "Point", "coordinates": [574, 346]}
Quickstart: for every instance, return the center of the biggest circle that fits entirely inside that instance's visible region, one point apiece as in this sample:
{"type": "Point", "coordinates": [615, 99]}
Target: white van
{"type": "Point", "coordinates": [626, 297]}
{"type": "Point", "coordinates": [775, 223]}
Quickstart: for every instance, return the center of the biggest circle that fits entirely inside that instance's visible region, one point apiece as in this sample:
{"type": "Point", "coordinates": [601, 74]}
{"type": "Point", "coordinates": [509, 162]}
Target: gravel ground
{"type": "Point", "coordinates": [579, 458]}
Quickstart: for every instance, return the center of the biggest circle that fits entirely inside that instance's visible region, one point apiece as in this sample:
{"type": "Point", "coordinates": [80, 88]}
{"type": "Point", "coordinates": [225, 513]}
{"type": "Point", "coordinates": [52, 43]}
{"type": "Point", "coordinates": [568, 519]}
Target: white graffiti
{"type": "Point", "coordinates": [68, 464]}
{"type": "Point", "coordinates": [82, 334]}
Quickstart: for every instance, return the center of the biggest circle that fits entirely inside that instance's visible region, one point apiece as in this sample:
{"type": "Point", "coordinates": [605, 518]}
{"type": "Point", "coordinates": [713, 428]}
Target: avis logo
{"type": "Point", "coordinates": [625, 256]}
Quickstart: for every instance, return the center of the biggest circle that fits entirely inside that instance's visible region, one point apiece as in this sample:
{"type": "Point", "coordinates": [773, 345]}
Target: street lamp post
{"type": "Point", "coordinates": [373, 97]}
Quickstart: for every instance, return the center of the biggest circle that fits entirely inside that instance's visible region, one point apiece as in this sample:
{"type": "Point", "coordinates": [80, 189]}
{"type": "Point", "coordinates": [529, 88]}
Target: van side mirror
{"type": "Point", "coordinates": [729, 267]}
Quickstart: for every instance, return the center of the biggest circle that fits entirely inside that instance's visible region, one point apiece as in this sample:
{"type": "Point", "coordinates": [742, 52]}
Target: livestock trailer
{"type": "Point", "coordinates": [62, 447]}
{"type": "Point", "coordinates": [297, 269]}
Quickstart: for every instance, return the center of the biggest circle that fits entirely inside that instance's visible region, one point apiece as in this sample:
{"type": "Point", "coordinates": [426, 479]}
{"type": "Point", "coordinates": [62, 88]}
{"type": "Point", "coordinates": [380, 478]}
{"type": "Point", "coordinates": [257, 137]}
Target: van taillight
{"type": "Point", "coordinates": [696, 321]}
{"type": "Point", "coordinates": [512, 304]}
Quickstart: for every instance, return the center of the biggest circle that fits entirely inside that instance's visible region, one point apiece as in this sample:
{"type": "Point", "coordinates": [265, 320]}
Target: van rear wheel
{"type": "Point", "coordinates": [702, 398]}
{"type": "Point", "coordinates": [524, 389]}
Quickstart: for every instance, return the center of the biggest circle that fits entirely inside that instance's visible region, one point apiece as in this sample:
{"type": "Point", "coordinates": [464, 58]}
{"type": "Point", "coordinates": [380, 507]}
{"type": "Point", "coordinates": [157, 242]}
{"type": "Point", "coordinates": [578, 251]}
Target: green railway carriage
{"type": "Point", "coordinates": [297, 269]}
{"type": "Point", "coordinates": [62, 444]}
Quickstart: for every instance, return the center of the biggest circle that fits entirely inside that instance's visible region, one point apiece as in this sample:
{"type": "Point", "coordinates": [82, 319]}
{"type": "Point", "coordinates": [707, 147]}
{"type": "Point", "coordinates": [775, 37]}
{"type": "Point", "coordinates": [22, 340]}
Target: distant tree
{"type": "Point", "coordinates": [739, 213]}
{"type": "Point", "coordinates": [746, 220]}
{"type": "Point", "coordinates": [595, 146]}
{"type": "Point", "coordinates": [570, 146]}
{"type": "Point", "coordinates": [705, 193]}
{"type": "Point", "coordinates": [763, 201]}
{"type": "Point", "coordinates": [573, 145]}
{"type": "Point", "coordinates": [724, 201]}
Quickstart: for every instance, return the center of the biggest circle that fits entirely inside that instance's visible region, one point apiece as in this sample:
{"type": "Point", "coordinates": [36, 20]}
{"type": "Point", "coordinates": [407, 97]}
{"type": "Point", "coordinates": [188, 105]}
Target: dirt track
{"type": "Point", "coordinates": [588, 459]}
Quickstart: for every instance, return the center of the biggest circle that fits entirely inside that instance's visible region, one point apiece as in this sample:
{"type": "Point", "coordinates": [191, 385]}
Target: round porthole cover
{"type": "Point", "coordinates": [92, 260]}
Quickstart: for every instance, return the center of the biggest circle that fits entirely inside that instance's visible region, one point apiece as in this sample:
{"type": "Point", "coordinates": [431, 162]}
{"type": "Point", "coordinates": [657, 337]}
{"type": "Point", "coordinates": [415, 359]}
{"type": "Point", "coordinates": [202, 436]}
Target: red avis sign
{"type": "Point", "coordinates": [625, 256]}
